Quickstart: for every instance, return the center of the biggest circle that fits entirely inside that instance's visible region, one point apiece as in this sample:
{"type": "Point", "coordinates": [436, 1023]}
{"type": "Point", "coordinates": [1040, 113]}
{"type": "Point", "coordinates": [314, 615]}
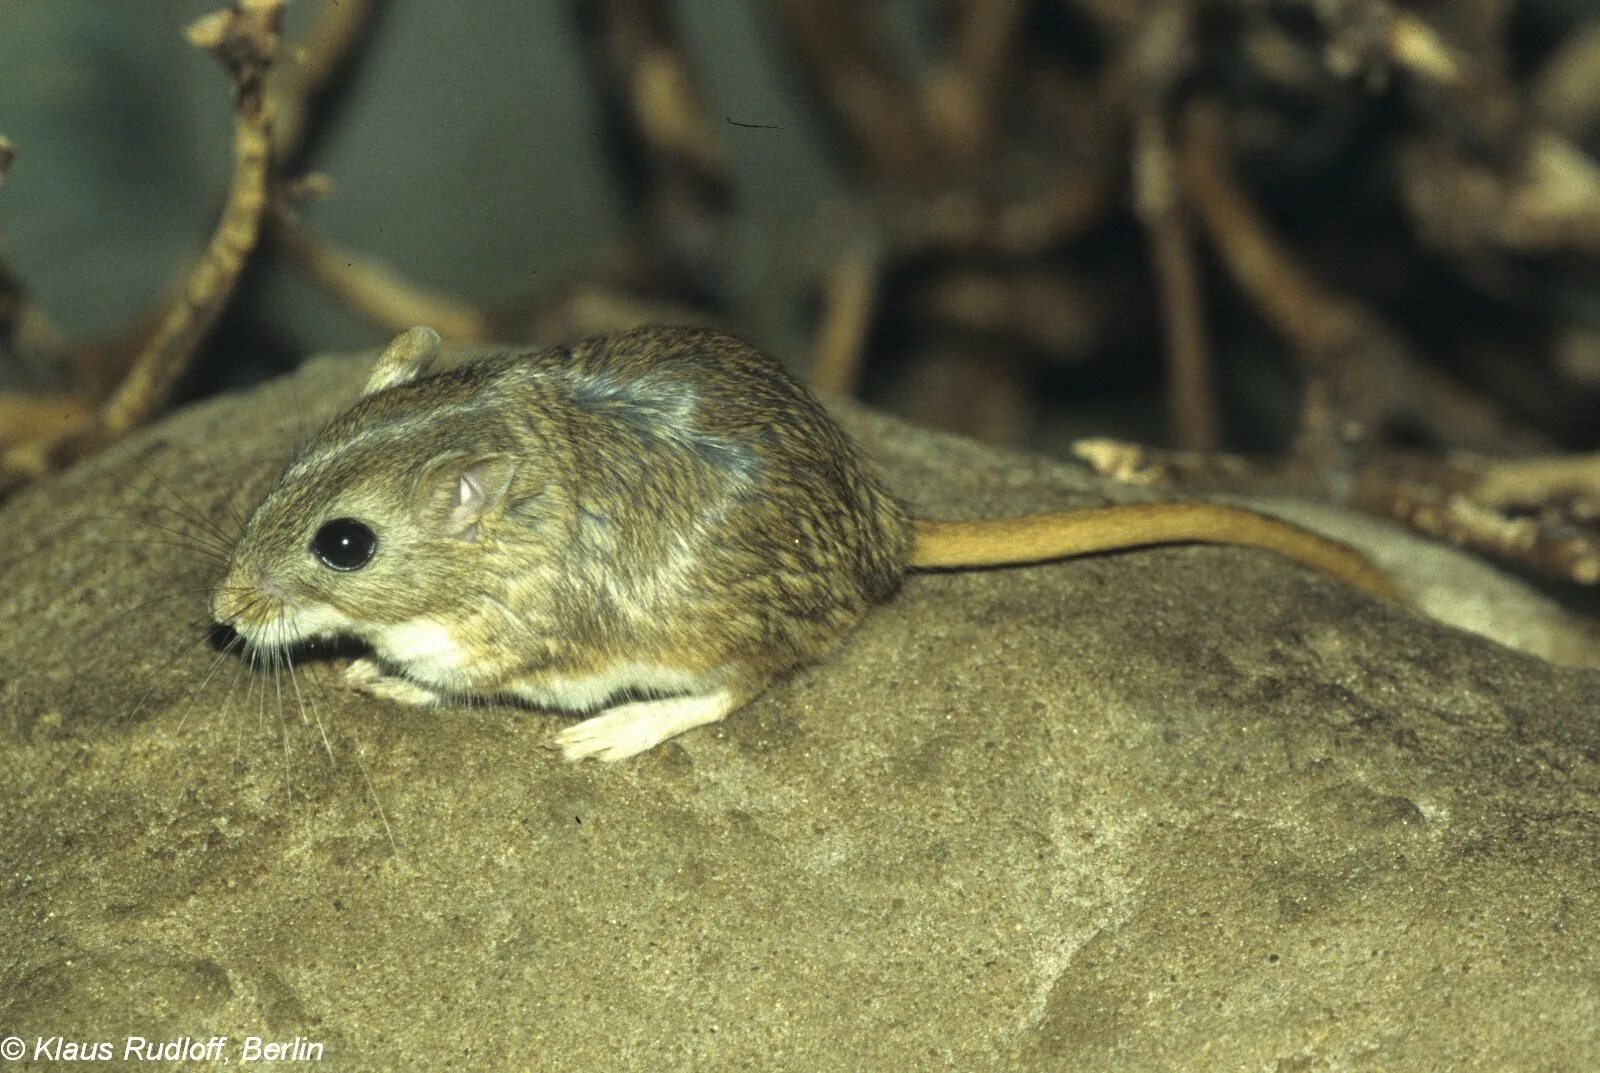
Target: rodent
{"type": "Point", "coordinates": [657, 524]}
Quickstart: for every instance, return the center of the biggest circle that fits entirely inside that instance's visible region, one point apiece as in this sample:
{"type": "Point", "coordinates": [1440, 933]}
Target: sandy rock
{"type": "Point", "coordinates": [1178, 809]}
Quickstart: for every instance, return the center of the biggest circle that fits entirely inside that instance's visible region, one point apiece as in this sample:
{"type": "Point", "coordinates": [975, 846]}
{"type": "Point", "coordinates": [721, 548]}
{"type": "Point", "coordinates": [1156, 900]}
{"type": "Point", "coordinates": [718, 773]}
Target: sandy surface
{"type": "Point", "coordinates": [1178, 809]}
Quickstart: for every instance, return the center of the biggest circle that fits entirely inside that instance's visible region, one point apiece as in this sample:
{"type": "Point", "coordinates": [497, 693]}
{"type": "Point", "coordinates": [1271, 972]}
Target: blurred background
{"type": "Point", "coordinates": [1344, 248]}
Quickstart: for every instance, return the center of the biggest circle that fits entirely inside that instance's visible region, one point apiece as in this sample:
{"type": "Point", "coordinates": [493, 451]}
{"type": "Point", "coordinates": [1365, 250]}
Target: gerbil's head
{"type": "Point", "coordinates": [386, 516]}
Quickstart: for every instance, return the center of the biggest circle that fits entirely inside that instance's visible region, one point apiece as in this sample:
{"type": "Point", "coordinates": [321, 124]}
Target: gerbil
{"type": "Point", "coordinates": [664, 516]}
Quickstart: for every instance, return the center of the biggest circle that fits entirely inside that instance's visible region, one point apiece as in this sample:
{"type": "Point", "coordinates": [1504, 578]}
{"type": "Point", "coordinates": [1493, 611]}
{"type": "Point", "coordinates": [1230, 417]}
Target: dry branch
{"type": "Point", "coordinates": [1045, 310]}
{"type": "Point", "coordinates": [1538, 514]}
{"type": "Point", "coordinates": [1192, 408]}
{"type": "Point", "coordinates": [305, 74]}
{"type": "Point", "coordinates": [683, 196]}
{"type": "Point", "coordinates": [959, 221]}
{"type": "Point", "coordinates": [1193, 472]}
{"type": "Point", "coordinates": [876, 112]}
{"type": "Point", "coordinates": [373, 289]}
{"type": "Point", "coordinates": [1565, 92]}
{"type": "Point", "coordinates": [849, 300]}
{"type": "Point", "coordinates": [1525, 482]}
{"type": "Point", "coordinates": [961, 97]}
{"type": "Point", "coordinates": [245, 40]}
{"type": "Point", "coordinates": [999, 182]}
{"type": "Point", "coordinates": [40, 418]}
{"type": "Point", "coordinates": [665, 142]}
{"type": "Point", "coordinates": [1369, 367]}
{"type": "Point", "coordinates": [1487, 172]}
{"type": "Point", "coordinates": [1549, 541]}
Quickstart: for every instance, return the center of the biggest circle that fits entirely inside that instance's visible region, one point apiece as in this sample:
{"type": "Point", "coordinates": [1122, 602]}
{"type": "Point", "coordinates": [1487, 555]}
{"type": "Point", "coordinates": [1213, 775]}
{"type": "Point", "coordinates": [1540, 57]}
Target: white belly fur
{"type": "Point", "coordinates": [425, 650]}
{"type": "Point", "coordinates": [581, 693]}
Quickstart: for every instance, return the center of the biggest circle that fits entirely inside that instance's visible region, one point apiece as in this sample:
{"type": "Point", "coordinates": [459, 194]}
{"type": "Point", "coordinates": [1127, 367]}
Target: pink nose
{"type": "Point", "coordinates": [265, 583]}
{"type": "Point", "coordinates": [257, 597]}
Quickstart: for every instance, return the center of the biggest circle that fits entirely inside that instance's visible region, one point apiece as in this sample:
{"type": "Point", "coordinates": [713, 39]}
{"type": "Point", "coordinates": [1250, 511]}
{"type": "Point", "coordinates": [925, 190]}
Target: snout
{"type": "Point", "coordinates": [246, 602]}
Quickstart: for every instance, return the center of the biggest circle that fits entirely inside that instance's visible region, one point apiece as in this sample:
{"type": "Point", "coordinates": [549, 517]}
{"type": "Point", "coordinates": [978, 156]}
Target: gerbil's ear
{"type": "Point", "coordinates": [457, 491]}
{"type": "Point", "coordinates": [407, 357]}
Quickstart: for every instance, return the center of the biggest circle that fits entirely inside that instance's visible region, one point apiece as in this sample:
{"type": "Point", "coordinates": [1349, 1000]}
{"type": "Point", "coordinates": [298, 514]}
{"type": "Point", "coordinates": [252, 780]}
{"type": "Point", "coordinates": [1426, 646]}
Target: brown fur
{"type": "Point", "coordinates": [665, 511]}
{"type": "Point", "coordinates": [679, 499]}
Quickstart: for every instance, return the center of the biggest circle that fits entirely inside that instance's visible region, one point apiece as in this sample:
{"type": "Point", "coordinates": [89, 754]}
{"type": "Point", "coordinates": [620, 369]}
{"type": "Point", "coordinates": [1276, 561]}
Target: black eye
{"type": "Point", "coordinates": [344, 544]}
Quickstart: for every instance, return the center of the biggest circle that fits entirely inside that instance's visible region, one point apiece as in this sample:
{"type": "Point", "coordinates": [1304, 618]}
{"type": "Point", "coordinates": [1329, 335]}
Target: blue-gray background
{"type": "Point", "coordinates": [468, 156]}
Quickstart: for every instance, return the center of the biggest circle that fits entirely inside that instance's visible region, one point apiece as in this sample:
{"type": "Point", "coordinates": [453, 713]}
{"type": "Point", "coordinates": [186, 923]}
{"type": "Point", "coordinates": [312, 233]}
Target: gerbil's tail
{"type": "Point", "coordinates": [1041, 537]}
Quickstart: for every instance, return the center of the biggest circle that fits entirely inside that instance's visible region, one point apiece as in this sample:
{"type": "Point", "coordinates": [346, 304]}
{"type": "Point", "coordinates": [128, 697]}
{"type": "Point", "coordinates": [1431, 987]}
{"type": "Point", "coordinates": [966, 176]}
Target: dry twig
{"type": "Point", "coordinates": [1049, 311]}
{"type": "Point", "coordinates": [1420, 494]}
{"type": "Point", "coordinates": [1194, 472]}
{"type": "Point", "coordinates": [666, 143]}
{"type": "Point", "coordinates": [328, 50]}
{"type": "Point", "coordinates": [1485, 173]}
{"type": "Point", "coordinates": [1372, 373]}
{"type": "Point", "coordinates": [1526, 482]}
{"type": "Point", "coordinates": [849, 299]}
{"type": "Point", "coordinates": [962, 95]}
{"type": "Point", "coordinates": [40, 418]}
{"type": "Point", "coordinates": [683, 195]}
{"type": "Point", "coordinates": [878, 115]}
{"type": "Point", "coordinates": [1539, 514]}
{"type": "Point", "coordinates": [371, 288]}
{"type": "Point", "coordinates": [1192, 408]}
{"type": "Point", "coordinates": [245, 40]}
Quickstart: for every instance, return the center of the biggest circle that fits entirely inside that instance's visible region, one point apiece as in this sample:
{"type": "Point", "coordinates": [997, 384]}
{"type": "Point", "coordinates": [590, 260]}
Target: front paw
{"type": "Point", "coordinates": [368, 676]}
